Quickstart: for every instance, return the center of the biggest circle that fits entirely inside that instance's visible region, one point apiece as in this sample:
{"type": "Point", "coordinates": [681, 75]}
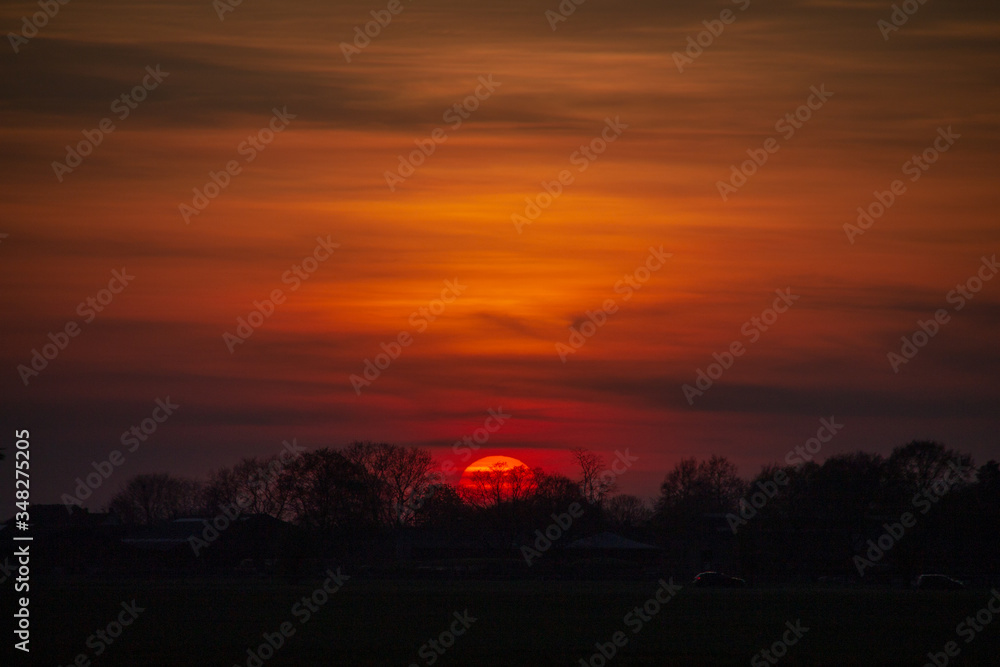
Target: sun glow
{"type": "Point", "coordinates": [486, 463]}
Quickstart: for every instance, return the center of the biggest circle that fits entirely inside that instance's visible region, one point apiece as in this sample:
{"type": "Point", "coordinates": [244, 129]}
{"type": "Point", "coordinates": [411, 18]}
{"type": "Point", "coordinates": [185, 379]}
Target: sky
{"type": "Point", "coordinates": [647, 111]}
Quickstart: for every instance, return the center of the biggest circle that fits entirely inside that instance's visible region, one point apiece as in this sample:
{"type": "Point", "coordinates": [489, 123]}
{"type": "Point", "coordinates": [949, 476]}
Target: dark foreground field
{"type": "Point", "coordinates": [213, 622]}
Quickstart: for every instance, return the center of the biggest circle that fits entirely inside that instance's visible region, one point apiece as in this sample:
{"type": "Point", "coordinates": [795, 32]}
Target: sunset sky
{"type": "Point", "coordinates": [679, 133]}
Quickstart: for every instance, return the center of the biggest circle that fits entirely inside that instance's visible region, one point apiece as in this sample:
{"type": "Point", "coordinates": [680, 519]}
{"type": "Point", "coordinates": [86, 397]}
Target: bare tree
{"type": "Point", "coordinates": [916, 466]}
{"type": "Point", "coordinates": [147, 499]}
{"type": "Point", "coordinates": [682, 486]}
{"type": "Point", "coordinates": [395, 475]}
{"type": "Point", "coordinates": [694, 488]}
{"type": "Point", "coordinates": [723, 482]}
{"type": "Point", "coordinates": [596, 481]}
{"type": "Point", "coordinates": [440, 507]}
{"type": "Point", "coordinates": [331, 491]}
{"type": "Point", "coordinates": [627, 511]}
{"type": "Point", "coordinates": [499, 485]}
{"type": "Point", "coordinates": [257, 485]}
{"type": "Point", "coordinates": [556, 490]}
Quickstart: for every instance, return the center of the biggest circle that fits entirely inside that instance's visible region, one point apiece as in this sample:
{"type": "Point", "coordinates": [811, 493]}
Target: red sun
{"type": "Point", "coordinates": [486, 464]}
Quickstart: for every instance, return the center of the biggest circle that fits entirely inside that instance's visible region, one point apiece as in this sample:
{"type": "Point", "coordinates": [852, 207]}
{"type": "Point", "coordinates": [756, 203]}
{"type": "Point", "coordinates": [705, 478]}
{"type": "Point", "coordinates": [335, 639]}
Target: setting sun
{"type": "Point", "coordinates": [486, 463]}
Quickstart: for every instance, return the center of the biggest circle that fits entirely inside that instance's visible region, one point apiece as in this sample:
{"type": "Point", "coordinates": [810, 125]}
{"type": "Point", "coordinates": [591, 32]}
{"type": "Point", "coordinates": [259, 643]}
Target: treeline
{"type": "Point", "coordinates": [813, 516]}
{"type": "Point", "coordinates": [923, 508]}
{"type": "Point", "coordinates": [370, 486]}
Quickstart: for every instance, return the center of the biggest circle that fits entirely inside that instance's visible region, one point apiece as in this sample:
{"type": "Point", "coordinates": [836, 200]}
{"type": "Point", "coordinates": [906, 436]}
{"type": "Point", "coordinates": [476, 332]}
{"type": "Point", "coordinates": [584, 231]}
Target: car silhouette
{"type": "Point", "coordinates": [717, 580]}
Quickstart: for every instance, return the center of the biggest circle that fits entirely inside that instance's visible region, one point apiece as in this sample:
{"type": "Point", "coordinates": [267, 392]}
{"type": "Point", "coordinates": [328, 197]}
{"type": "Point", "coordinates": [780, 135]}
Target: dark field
{"type": "Point", "coordinates": [213, 622]}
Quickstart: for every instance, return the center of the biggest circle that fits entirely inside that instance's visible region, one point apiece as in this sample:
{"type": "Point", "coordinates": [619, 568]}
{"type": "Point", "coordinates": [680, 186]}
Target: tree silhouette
{"type": "Point", "coordinates": [441, 507]}
{"type": "Point", "coordinates": [808, 519]}
{"type": "Point", "coordinates": [501, 484]}
{"type": "Point", "coordinates": [256, 485]}
{"type": "Point", "coordinates": [149, 499]}
{"type": "Point", "coordinates": [331, 492]}
{"type": "Point", "coordinates": [626, 511]}
{"type": "Point", "coordinates": [594, 484]}
{"type": "Point", "coordinates": [394, 474]}
{"type": "Point", "coordinates": [916, 466]}
{"type": "Point", "coordinates": [692, 490]}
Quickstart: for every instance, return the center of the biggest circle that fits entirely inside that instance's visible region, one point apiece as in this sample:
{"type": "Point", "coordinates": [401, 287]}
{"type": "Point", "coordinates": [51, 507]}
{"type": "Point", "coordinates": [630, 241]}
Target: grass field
{"type": "Point", "coordinates": [366, 622]}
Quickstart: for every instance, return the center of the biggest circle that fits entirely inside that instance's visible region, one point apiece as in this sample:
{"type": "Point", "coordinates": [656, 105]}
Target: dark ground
{"type": "Point", "coordinates": [373, 622]}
